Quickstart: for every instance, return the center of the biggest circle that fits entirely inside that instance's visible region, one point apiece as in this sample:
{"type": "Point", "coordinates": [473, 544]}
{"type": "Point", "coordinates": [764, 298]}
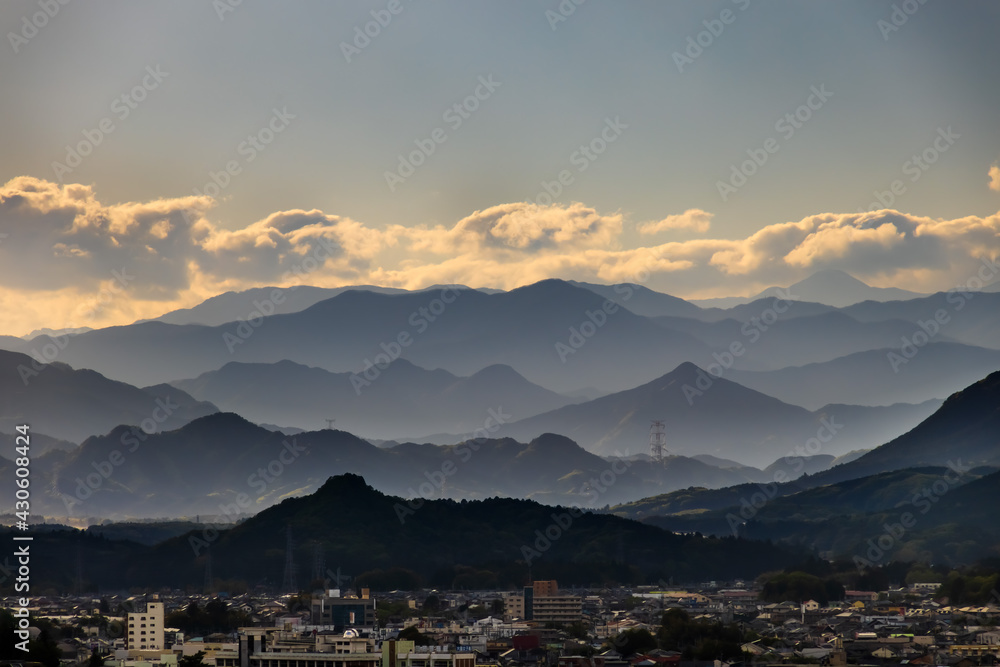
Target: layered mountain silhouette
{"type": "Point", "coordinates": [877, 377]}
{"type": "Point", "coordinates": [234, 306]}
{"type": "Point", "coordinates": [944, 473]}
{"type": "Point", "coordinates": [69, 404]}
{"type": "Point", "coordinates": [933, 512]}
{"type": "Point", "coordinates": [972, 318]}
{"type": "Point", "coordinates": [708, 415]}
{"type": "Point", "coordinates": [642, 300]}
{"type": "Point", "coordinates": [794, 339]}
{"type": "Point", "coordinates": [554, 334]}
{"type": "Point", "coordinates": [965, 428]}
{"type": "Point", "coordinates": [493, 542]}
{"type": "Point", "coordinates": [830, 286]}
{"type": "Point", "coordinates": [401, 401]}
{"type": "Point", "coordinates": [210, 463]}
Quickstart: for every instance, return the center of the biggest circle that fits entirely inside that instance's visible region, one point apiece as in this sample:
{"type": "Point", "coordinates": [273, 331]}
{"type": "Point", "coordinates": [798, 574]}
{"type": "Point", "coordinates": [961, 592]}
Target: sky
{"type": "Point", "coordinates": [155, 154]}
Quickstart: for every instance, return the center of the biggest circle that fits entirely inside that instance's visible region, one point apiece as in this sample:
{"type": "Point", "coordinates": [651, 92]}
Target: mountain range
{"type": "Point", "coordinates": [540, 330]}
{"type": "Point", "coordinates": [703, 414]}
{"type": "Point", "coordinates": [402, 401]}
{"type": "Point", "coordinates": [546, 393]}
{"type": "Point", "coordinates": [207, 465]}
{"type": "Point", "coordinates": [830, 286]}
{"type": "Point", "coordinates": [944, 473]}
{"type": "Point", "coordinates": [475, 544]}
{"type": "Point", "coordinates": [68, 404]}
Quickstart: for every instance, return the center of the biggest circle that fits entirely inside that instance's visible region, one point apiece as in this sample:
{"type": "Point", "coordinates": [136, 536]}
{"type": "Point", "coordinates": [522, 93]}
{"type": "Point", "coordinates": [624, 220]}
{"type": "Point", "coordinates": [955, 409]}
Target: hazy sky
{"type": "Point", "coordinates": [116, 115]}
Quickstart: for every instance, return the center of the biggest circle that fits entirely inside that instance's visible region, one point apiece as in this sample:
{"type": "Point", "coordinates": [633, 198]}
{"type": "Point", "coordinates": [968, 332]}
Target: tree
{"type": "Point", "coordinates": [412, 634]}
{"type": "Point", "coordinates": [196, 660]}
{"type": "Point", "coordinates": [95, 659]}
{"type": "Point", "coordinates": [630, 642]}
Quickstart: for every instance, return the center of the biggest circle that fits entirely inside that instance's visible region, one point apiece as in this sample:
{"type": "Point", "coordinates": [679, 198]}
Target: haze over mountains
{"type": "Point", "coordinates": [208, 465]}
{"type": "Point", "coordinates": [553, 333]}
{"type": "Point", "coordinates": [402, 401]}
{"type": "Point", "coordinates": [723, 419]}
{"type": "Point", "coordinates": [73, 404]}
{"type": "Point", "coordinates": [493, 383]}
{"type": "Point", "coordinates": [831, 286]}
{"type": "Point", "coordinates": [945, 472]}
{"type": "Point", "coordinates": [473, 545]}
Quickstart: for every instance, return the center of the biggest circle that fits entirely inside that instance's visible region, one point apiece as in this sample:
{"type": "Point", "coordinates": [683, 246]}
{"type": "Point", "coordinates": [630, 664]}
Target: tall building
{"type": "Point", "coordinates": [544, 589]}
{"type": "Point", "coordinates": [343, 613]}
{"type": "Point", "coordinates": [542, 602]}
{"type": "Point", "coordinates": [145, 629]}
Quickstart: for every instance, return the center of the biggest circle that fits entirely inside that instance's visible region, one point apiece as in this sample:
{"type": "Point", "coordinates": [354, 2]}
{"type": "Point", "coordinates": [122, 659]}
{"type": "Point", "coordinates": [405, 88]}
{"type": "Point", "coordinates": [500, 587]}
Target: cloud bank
{"type": "Point", "coordinates": [63, 252]}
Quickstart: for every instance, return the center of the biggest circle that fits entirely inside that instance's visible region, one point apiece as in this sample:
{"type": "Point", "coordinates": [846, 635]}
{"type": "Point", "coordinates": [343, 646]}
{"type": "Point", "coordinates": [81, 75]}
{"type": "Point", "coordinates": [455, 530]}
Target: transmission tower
{"type": "Point", "coordinates": [78, 579]}
{"type": "Point", "coordinates": [657, 441]}
{"type": "Point", "coordinates": [288, 583]}
{"type": "Point", "coordinates": [208, 572]}
{"type": "Point", "coordinates": [319, 566]}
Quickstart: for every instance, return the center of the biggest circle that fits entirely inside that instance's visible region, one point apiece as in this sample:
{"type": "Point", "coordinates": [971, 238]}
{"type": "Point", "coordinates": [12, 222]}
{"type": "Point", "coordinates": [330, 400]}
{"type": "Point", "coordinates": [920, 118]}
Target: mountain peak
{"type": "Point", "coordinates": [348, 484]}
{"type": "Point", "coordinates": [828, 278]}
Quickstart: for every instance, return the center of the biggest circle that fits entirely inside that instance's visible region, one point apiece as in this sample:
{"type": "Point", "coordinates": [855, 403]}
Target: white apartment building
{"type": "Point", "coordinates": [145, 629]}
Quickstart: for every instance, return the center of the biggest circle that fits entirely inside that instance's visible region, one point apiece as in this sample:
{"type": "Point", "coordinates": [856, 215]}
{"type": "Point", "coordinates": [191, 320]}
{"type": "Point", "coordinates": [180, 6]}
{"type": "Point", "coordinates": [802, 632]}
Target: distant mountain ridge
{"type": "Point", "coordinates": [71, 404]}
{"type": "Point", "coordinates": [403, 400]}
{"type": "Point", "coordinates": [140, 475]}
{"type": "Point", "coordinates": [874, 377]}
{"type": "Point", "coordinates": [233, 306]}
{"type": "Point", "coordinates": [708, 415]}
{"type": "Point", "coordinates": [466, 331]}
{"type": "Point", "coordinates": [944, 472]}
{"type": "Point", "coordinates": [829, 286]}
{"type": "Point", "coordinates": [492, 543]}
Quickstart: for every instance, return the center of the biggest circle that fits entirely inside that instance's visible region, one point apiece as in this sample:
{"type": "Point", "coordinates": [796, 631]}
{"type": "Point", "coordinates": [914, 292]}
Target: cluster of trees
{"type": "Point", "coordinates": [824, 581]}
{"type": "Point", "coordinates": [801, 586]}
{"type": "Point", "coordinates": [215, 617]}
{"type": "Point", "coordinates": [413, 634]}
{"type": "Point", "coordinates": [975, 586]}
{"type": "Point", "coordinates": [694, 639]}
